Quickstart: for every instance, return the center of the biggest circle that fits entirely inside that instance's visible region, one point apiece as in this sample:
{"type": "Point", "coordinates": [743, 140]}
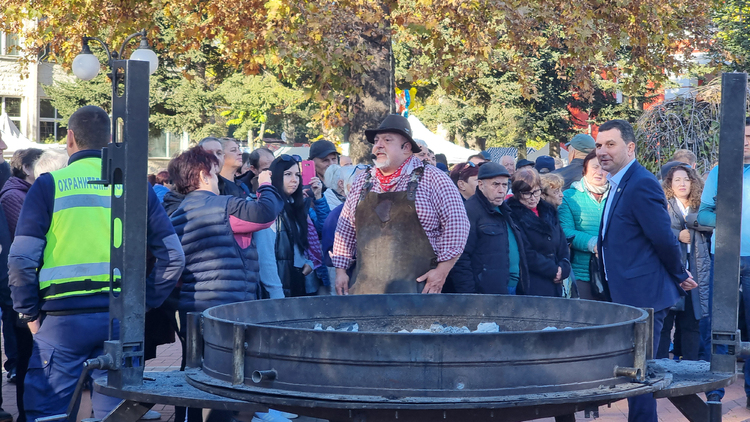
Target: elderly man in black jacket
{"type": "Point", "coordinates": [493, 260]}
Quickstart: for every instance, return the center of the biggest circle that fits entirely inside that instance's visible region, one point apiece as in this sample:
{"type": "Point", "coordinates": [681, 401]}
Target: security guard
{"type": "Point", "coordinates": [59, 268]}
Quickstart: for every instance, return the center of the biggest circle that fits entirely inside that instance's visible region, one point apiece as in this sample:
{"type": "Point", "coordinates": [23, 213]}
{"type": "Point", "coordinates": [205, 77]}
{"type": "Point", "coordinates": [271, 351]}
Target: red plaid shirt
{"type": "Point", "coordinates": [439, 208]}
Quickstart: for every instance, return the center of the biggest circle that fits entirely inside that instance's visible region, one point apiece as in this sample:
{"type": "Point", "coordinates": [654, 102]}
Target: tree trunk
{"type": "Point", "coordinates": [554, 149]}
{"type": "Point", "coordinates": [376, 101]}
{"type": "Point", "coordinates": [521, 145]}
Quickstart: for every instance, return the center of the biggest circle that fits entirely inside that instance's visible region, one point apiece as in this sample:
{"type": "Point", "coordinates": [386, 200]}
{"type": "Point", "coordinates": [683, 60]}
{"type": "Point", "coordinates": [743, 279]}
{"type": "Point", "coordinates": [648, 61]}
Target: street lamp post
{"type": "Point", "coordinates": [124, 170]}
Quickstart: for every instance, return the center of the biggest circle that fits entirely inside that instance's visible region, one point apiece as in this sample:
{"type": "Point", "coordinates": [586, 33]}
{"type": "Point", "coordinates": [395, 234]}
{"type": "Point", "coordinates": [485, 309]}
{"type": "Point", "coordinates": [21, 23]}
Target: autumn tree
{"type": "Point", "coordinates": [341, 50]}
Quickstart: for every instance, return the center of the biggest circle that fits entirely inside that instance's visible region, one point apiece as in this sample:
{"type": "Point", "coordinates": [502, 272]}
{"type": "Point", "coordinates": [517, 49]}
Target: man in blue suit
{"type": "Point", "coordinates": [638, 253]}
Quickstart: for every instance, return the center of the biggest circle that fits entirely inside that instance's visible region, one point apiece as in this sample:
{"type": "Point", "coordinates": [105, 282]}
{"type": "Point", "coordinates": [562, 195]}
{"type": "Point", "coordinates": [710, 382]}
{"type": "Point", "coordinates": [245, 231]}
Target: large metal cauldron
{"type": "Point", "coordinates": [270, 346]}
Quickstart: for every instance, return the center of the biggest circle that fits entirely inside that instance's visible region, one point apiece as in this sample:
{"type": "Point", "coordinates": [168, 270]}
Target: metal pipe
{"type": "Point", "coordinates": [260, 376]}
{"type": "Point", "coordinates": [632, 373]}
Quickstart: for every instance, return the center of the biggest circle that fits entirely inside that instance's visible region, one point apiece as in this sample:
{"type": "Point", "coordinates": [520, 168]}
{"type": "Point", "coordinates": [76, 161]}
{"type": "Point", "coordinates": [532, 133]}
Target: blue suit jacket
{"type": "Point", "coordinates": [643, 255]}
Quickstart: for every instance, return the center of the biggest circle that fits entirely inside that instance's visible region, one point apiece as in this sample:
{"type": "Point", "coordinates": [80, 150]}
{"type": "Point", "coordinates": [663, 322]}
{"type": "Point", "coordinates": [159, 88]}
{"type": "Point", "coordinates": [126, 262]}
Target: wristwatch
{"type": "Point", "coordinates": [25, 318]}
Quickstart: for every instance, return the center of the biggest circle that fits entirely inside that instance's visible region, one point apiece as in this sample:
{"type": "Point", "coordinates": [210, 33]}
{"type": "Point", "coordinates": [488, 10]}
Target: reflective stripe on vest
{"type": "Point", "coordinates": [76, 257]}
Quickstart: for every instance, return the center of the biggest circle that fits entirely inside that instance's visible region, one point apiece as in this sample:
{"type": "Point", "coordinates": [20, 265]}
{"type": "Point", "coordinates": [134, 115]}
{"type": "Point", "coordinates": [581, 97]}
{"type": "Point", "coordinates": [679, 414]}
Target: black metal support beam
{"type": "Point", "coordinates": [692, 407]}
{"type": "Point", "coordinates": [728, 220]}
{"type": "Point", "coordinates": [126, 165]}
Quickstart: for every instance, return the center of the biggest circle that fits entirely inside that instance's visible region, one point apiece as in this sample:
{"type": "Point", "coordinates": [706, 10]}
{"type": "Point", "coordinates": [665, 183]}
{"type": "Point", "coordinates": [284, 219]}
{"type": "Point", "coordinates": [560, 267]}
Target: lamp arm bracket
{"type": "Point", "coordinates": [142, 33]}
{"type": "Point", "coordinates": [100, 41]}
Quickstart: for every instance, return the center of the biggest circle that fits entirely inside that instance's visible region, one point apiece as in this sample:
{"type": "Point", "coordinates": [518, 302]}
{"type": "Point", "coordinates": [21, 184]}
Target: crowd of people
{"type": "Point", "coordinates": [226, 226]}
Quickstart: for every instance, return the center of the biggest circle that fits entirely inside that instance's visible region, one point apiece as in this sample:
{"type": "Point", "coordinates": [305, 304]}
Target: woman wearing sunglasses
{"type": "Point", "coordinates": [546, 248]}
{"type": "Point", "coordinates": [298, 250]}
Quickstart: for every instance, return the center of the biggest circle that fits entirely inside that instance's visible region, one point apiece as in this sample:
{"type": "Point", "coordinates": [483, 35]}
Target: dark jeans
{"type": "Point", "coordinates": [25, 342]}
{"type": "Point", "coordinates": [9, 337]}
{"type": "Point", "coordinates": [745, 283]}
{"type": "Point", "coordinates": [686, 336]}
{"type": "Point", "coordinates": [643, 408]}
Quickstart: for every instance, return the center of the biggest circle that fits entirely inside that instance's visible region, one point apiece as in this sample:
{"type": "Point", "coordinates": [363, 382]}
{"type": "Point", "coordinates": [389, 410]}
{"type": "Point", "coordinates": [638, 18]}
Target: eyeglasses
{"type": "Point", "coordinates": [470, 164]}
{"type": "Point", "coordinates": [536, 193]}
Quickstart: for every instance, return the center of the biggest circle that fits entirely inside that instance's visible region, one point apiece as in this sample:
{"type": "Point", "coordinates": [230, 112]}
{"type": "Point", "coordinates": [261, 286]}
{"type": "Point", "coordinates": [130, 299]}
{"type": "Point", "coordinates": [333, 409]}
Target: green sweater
{"type": "Point", "coordinates": [580, 215]}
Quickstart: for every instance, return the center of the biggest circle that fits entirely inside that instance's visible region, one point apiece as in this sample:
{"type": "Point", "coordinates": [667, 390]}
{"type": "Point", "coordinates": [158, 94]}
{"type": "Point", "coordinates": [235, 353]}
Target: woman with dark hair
{"type": "Point", "coordinates": [298, 250]}
{"type": "Point", "coordinates": [17, 337]}
{"type": "Point", "coordinates": [580, 217]}
{"type": "Point", "coordinates": [218, 270]}
{"type": "Point", "coordinates": [14, 191]}
{"type": "Point", "coordinates": [544, 241]}
{"type": "Point", "coordinates": [683, 188]}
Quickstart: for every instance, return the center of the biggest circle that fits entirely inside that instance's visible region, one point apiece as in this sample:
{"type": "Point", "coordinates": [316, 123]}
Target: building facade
{"type": "Point", "coordinates": [22, 94]}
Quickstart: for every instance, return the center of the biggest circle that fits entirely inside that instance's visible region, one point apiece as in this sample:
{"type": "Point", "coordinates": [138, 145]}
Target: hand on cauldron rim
{"type": "Point", "coordinates": [688, 283]}
{"type": "Point", "coordinates": [435, 278]}
{"type": "Point", "coordinates": [342, 282]}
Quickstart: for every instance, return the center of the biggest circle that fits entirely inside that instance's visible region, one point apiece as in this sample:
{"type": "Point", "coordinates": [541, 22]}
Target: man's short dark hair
{"type": "Point", "coordinates": [441, 158]}
{"type": "Point", "coordinates": [24, 157]}
{"type": "Point", "coordinates": [480, 156]}
{"type": "Point", "coordinates": [625, 128]}
{"type": "Point", "coordinates": [91, 127]}
{"type": "Point", "coordinates": [254, 159]}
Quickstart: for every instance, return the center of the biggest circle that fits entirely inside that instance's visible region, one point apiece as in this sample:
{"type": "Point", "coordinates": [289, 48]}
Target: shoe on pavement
{"type": "Point", "coordinates": [269, 417]}
{"type": "Point", "coordinates": [12, 377]}
{"type": "Point", "coordinates": [151, 415]}
{"type": "Point", "coordinates": [5, 416]}
{"type": "Point", "coordinates": [715, 397]}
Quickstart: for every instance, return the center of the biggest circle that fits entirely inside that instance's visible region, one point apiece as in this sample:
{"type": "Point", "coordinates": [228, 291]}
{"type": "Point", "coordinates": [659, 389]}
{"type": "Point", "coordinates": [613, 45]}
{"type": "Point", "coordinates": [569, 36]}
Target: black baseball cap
{"type": "Point", "coordinates": [322, 149]}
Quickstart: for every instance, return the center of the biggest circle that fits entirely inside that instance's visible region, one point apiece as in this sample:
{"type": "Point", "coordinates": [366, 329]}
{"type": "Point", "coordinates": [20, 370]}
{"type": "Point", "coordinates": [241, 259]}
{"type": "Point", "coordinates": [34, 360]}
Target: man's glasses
{"type": "Point", "coordinates": [536, 193]}
{"type": "Point", "coordinates": [470, 164]}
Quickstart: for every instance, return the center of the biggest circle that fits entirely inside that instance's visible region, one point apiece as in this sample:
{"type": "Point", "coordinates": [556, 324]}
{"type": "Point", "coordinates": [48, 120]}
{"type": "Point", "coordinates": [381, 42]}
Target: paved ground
{"type": "Point", "coordinates": [169, 360]}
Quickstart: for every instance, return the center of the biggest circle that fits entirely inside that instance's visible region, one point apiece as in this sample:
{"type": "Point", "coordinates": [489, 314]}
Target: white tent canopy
{"type": "Point", "coordinates": [454, 153]}
{"type": "Point", "coordinates": [545, 151]}
{"type": "Point", "coordinates": [15, 139]}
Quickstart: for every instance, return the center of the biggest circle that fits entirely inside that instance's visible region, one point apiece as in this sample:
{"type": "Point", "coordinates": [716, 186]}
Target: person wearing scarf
{"type": "Point", "coordinates": [580, 216]}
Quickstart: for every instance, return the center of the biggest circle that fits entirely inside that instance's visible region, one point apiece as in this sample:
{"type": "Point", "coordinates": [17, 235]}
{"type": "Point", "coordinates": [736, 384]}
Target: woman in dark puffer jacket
{"type": "Point", "coordinates": [217, 269]}
{"type": "Point", "coordinates": [547, 254]}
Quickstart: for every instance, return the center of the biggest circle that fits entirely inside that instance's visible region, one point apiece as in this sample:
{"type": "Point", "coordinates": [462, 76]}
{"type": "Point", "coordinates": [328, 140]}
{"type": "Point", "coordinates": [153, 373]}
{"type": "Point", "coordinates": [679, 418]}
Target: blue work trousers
{"type": "Point", "coordinates": [61, 346]}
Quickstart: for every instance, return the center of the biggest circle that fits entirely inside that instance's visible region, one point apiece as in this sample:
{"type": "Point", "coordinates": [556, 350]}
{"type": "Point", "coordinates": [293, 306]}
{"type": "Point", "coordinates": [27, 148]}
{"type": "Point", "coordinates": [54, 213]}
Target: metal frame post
{"type": "Point", "coordinates": [728, 221]}
{"type": "Point", "coordinates": [125, 166]}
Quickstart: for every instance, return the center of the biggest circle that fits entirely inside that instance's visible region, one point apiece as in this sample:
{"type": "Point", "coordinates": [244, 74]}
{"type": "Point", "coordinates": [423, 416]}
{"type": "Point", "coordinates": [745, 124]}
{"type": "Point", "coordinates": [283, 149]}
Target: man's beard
{"type": "Point", "coordinates": [382, 164]}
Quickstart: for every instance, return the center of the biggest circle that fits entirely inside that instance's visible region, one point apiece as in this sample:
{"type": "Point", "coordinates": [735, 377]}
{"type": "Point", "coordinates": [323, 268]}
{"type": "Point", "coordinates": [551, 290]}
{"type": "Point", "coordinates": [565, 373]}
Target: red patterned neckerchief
{"type": "Point", "coordinates": [388, 182]}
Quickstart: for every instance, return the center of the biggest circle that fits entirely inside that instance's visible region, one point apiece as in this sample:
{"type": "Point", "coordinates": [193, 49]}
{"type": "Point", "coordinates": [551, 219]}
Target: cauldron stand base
{"type": "Point", "coordinates": [679, 381]}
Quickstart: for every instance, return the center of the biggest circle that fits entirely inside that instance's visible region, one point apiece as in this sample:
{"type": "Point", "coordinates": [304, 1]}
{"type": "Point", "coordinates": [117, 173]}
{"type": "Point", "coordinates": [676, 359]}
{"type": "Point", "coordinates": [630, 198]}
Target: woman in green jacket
{"type": "Point", "coordinates": [580, 215]}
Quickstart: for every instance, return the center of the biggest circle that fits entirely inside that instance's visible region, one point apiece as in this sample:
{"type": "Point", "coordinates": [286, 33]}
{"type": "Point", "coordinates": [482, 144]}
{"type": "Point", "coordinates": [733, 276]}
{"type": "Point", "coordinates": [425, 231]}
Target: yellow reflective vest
{"type": "Point", "coordinates": [76, 257]}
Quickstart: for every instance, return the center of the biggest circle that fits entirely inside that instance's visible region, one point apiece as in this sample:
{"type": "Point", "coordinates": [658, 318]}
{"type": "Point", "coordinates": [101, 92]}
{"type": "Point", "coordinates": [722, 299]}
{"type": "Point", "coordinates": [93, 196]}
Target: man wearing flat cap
{"type": "Point", "coordinates": [578, 148]}
{"type": "Point", "coordinates": [404, 220]}
{"type": "Point", "coordinates": [493, 261]}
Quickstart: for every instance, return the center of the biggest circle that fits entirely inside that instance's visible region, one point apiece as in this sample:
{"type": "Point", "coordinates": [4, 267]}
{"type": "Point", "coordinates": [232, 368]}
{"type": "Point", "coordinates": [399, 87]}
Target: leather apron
{"type": "Point", "coordinates": [392, 247]}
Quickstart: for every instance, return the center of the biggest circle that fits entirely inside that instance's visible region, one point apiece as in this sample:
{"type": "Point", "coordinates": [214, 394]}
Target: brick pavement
{"type": "Point", "coordinates": [168, 359]}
